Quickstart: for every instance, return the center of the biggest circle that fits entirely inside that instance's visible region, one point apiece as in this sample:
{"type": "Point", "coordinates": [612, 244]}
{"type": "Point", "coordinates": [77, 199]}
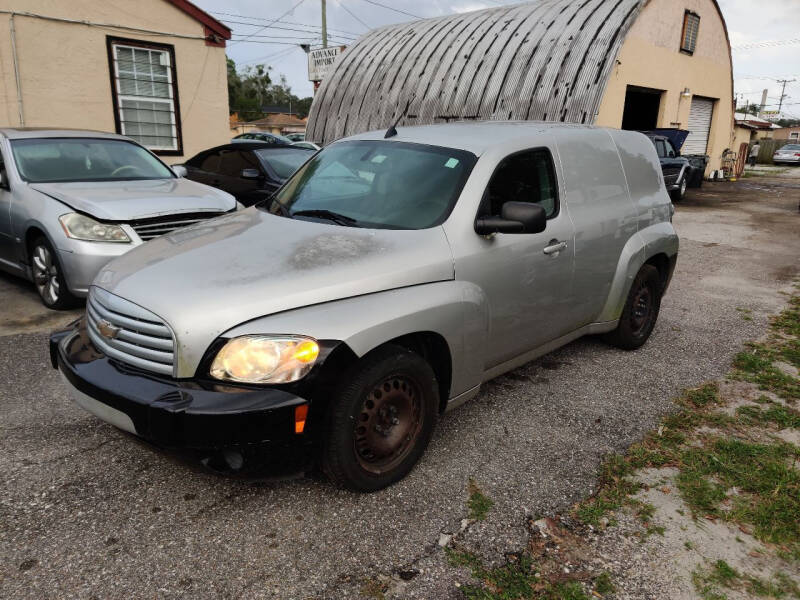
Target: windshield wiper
{"type": "Point", "coordinates": [322, 213]}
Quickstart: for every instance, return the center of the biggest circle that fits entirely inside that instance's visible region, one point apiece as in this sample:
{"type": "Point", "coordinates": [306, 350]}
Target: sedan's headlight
{"type": "Point", "coordinates": [265, 359]}
{"type": "Point", "coordinates": [81, 227]}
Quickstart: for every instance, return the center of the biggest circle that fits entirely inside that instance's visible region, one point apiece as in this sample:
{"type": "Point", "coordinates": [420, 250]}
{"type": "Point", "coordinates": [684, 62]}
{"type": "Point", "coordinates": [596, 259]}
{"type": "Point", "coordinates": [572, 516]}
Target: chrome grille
{"type": "Point", "coordinates": [140, 338]}
{"type": "Point", "coordinates": [147, 229]}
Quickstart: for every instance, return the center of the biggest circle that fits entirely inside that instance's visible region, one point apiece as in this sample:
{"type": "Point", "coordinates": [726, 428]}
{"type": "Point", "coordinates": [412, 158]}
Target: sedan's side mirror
{"type": "Point", "coordinates": [516, 217]}
{"type": "Point", "coordinates": [251, 173]}
{"type": "Point", "coordinates": [180, 170]}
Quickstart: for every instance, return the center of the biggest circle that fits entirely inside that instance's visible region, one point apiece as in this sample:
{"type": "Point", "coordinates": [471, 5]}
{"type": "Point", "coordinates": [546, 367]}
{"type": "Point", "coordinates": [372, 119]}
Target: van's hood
{"type": "Point", "coordinates": [129, 200]}
{"type": "Point", "coordinates": [207, 278]}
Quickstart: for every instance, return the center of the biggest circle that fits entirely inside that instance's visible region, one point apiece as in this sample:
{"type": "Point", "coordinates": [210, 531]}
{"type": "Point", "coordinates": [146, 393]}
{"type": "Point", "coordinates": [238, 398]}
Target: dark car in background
{"type": "Point", "coordinates": [680, 172]}
{"type": "Point", "coordinates": [250, 172]}
{"type": "Point", "coordinates": [263, 136]}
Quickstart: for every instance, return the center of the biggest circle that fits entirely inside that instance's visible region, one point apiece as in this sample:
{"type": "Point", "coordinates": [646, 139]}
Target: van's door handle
{"type": "Point", "coordinates": [555, 247]}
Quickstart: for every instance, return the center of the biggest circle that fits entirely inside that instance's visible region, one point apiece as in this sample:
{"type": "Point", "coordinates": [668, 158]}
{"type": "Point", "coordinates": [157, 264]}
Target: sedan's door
{"type": "Point", "coordinates": [526, 278]}
{"type": "Point", "coordinates": [6, 233]}
{"type": "Point", "coordinates": [204, 168]}
{"type": "Point", "coordinates": [241, 175]}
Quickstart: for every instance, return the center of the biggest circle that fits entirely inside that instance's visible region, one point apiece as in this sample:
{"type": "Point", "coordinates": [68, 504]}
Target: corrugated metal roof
{"type": "Point", "coordinates": [545, 60]}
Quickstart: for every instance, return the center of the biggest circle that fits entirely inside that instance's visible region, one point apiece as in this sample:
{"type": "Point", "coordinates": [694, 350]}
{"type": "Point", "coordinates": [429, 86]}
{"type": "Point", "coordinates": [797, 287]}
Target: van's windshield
{"type": "Point", "coordinates": [390, 185]}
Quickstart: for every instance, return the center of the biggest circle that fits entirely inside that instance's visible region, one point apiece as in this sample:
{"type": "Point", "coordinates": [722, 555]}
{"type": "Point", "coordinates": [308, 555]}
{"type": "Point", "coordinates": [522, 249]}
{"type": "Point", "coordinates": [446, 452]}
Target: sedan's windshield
{"type": "Point", "coordinates": [284, 161]}
{"type": "Point", "coordinates": [790, 148]}
{"type": "Point", "coordinates": [392, 185]}
{"type": "Point", "coordinates": [41, 160]}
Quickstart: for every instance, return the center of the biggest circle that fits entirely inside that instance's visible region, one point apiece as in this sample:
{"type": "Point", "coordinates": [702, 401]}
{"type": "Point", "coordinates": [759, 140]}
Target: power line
{"type": "Point", "coordinates": [275, 20]}
{"type": "Point", "coordinates": [352, 14]}
{"type": "Point", "coordinates": [397, 10]}
{"type": "Point", "coordinates": [282, 21]}
{"type": "Point", "coordinates": [316, 32]}
{"type": "Point", "coordinates": [766, 44]}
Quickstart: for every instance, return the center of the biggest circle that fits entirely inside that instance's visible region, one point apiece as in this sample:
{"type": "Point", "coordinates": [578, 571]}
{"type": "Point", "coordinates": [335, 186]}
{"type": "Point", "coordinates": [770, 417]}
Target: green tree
{"type": "Point", "coordinates": [252, 88]}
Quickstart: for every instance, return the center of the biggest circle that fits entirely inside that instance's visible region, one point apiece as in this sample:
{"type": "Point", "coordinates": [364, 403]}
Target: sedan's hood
{"type": "Point", "coordinates": [210, 277]}
{"type": "Point", "coordinates": [128, 200]}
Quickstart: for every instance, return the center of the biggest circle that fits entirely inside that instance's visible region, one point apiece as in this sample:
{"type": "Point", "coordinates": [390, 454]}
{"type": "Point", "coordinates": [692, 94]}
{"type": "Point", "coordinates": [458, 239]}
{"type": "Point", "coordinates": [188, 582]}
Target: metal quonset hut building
{"type": "Point", "coordinates": [632, 64]}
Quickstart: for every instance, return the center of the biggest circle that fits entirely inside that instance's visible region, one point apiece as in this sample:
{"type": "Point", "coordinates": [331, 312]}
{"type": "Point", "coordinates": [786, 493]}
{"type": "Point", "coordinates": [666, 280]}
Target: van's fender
{"type": "Point", "coordinates": [455, 310]}
{"type": "Point", "coordinates": [659, 238]}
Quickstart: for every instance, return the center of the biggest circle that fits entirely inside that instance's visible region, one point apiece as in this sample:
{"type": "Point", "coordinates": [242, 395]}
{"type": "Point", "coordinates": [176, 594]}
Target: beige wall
{"type": "Point", "coordinates": [651, 57]}
{"type": "Point", "coordinates": [65, 73]}
{"type": "Point", "coordinates": [741, 135]}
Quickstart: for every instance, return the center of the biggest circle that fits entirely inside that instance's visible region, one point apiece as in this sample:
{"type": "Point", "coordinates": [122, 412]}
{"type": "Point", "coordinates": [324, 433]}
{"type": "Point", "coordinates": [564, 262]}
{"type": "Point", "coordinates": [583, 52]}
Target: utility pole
{"type": "Point", "coordinates": [783, 91]}
{"type": "Point", "coordinates": [324, 26]}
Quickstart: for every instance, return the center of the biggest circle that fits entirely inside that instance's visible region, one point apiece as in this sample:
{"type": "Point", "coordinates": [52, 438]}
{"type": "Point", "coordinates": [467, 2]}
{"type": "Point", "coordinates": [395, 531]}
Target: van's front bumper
{"type": "Point", "coordinates": [184, 414]}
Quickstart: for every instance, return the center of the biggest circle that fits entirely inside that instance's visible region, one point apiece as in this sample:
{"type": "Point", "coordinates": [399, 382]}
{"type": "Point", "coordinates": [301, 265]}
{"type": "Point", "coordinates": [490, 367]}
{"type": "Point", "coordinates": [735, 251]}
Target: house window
{"type": "Point", "coordinates": [691, 25]}
{"type": "Point", "coordinates": [794, 135]}
{"type": "Point", "coordinates": [145, 94]}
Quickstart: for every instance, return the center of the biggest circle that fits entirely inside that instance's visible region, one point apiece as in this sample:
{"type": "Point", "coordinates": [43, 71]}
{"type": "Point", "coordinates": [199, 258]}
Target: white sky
{"type": "Point", "coordinates": [749, 21]}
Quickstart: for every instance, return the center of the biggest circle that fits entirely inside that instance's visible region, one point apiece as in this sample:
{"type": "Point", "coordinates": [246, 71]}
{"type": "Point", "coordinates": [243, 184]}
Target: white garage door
{"type": "Point", "coordinates": [699, 126]}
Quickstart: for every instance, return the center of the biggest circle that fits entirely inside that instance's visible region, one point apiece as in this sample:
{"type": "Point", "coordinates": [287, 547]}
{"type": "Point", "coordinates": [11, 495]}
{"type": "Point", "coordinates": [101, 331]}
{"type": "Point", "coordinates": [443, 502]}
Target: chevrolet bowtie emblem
{"type": "Point", "coordinates": [107, 330]}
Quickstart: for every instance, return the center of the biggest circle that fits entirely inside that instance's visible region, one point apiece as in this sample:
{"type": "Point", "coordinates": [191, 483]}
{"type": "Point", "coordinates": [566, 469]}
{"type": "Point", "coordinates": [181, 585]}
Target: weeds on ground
{"type": "Point", "coordinates": [518, 579]}
{"type": "Point", "coordinates": [721, 575]}
{"type": "Point", "coordinates": [722, 472]}
{"type": "Point", "coordinates": [479, 504]}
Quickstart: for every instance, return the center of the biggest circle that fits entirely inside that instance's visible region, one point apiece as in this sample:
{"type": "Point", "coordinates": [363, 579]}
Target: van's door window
{"type": "Point", "coordinates": [523, 177]}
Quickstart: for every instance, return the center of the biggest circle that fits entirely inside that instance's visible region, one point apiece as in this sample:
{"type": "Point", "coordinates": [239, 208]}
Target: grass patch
{"type": "Point", "coordinates": [721, 574]}
{"type": "Point", "coordinates": [517, 579]}
{"type": "Point", "coordinates": [479, 504]}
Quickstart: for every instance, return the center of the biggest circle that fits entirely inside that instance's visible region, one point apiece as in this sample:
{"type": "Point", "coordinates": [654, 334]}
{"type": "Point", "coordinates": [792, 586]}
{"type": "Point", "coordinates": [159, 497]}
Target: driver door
{"type": "Point", "coordinates": [527, 277]}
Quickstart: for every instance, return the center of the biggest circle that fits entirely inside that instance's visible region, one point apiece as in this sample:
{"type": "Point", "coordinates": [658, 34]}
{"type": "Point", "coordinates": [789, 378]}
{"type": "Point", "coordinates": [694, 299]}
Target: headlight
{"type": "Point", "coordinates": [265, 359]}
{"type": "Point", "coordinates": [81, 227]}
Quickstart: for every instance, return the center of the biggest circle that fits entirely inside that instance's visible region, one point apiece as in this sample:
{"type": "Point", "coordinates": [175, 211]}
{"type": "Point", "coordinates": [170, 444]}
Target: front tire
{"type": "Point", "coordinates": [48, 277]}
{"type": "Point", "coordinates": [640, 312]}
{"type": "Point", "coordinates": [380, 420]}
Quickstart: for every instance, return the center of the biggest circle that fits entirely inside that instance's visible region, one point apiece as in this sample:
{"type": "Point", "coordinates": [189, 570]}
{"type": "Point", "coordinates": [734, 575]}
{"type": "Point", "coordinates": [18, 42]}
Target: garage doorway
{"type": "Point", "coordinates": [700, 114]}
{"type": "Point", "coordinates": [641, 108]}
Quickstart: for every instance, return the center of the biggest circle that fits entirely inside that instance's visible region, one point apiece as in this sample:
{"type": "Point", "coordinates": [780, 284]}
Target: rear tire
{"type": "Point", "coordinates": [380, 420]}
{"type": "Point", "coordinates": [680, 193]}
{"type": "Point", "coordinates": [48, 277]}
{"type": "Point", "coordinates": [640, 312]}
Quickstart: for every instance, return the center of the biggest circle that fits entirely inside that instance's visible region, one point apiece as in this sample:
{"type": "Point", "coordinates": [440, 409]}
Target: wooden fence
{"type": "Point", "coordinates": [767, 148]}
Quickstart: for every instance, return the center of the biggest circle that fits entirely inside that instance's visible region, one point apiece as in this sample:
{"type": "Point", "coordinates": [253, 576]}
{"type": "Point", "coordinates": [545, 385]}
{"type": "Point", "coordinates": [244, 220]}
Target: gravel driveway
{"type": "Point", "coordinates": [87, 511]}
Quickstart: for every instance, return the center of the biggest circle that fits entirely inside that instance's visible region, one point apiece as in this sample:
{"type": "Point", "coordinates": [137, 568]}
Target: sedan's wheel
{"type": "Point", "coordinates": [640, 312]}
{"type": "Point", "coordinates": [47, 276]}
{"type": "Point", "coordinates": [381, 420]}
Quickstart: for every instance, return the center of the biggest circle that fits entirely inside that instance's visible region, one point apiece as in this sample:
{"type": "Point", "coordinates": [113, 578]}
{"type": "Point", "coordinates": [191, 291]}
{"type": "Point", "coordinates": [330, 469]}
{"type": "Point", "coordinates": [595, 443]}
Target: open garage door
{"type": "Point", "coordinates": [699, 126]}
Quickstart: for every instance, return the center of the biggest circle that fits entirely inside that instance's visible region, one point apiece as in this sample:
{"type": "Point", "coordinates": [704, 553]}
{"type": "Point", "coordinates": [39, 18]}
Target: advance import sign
{"type": "Point", "coordinates": [320, 62]}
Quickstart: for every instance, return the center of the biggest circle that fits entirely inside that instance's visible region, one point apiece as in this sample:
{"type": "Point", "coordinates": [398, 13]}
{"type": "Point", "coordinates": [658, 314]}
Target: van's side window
{"type": "Point", "coordinates": [523, 177]}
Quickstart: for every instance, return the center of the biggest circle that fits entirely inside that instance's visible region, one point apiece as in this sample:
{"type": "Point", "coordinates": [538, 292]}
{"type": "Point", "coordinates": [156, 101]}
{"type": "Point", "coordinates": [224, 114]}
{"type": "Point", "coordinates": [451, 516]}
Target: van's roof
{"type": "Point", "coordinates": [473, 136]}
{"type": "Point", "coordinates": [18, 133]}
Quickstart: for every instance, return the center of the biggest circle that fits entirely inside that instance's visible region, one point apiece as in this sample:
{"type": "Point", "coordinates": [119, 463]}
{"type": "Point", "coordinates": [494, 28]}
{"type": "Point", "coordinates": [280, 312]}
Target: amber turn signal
{"type": "Point", "coordinates": [300, 414]}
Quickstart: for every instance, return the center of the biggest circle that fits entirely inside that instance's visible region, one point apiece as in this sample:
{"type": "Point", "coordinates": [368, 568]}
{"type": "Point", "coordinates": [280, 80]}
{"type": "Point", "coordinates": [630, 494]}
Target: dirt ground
{"type": "Point", "coordinates": [85, 511]}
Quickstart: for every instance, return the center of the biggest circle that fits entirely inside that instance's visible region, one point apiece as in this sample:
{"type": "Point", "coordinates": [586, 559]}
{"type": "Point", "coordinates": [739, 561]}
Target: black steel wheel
{"type": "Point", "coordinates": [640, 312]}
{"type": "Point", "coordinates": [380, 420]}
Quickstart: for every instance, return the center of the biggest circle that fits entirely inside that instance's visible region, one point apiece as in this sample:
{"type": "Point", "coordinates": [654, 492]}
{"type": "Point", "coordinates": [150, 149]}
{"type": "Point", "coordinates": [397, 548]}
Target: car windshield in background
{"type": "Point", "coordinates": [284, 161]}
{"type": "Point", "coordinates": [390, 185]}
{"type": "Point", "coordinates": [42, 160]}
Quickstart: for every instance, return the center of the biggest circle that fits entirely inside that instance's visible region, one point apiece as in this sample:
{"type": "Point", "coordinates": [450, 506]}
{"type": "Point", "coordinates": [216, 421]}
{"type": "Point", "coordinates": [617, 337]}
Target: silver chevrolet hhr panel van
{"type": "Point", "coordinates": [381, 285]}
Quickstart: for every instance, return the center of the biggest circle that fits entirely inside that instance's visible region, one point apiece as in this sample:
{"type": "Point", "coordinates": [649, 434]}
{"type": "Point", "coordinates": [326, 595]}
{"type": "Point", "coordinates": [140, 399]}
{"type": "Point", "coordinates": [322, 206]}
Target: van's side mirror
{"type": "Point", "coordinates": [251, 173]}
{"type": "Point", "coordinates": [516, 217]}
{"type": "Point", "coordinates": [4, 180]}
{"type": "Point", "coordinates": [180, 170]}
